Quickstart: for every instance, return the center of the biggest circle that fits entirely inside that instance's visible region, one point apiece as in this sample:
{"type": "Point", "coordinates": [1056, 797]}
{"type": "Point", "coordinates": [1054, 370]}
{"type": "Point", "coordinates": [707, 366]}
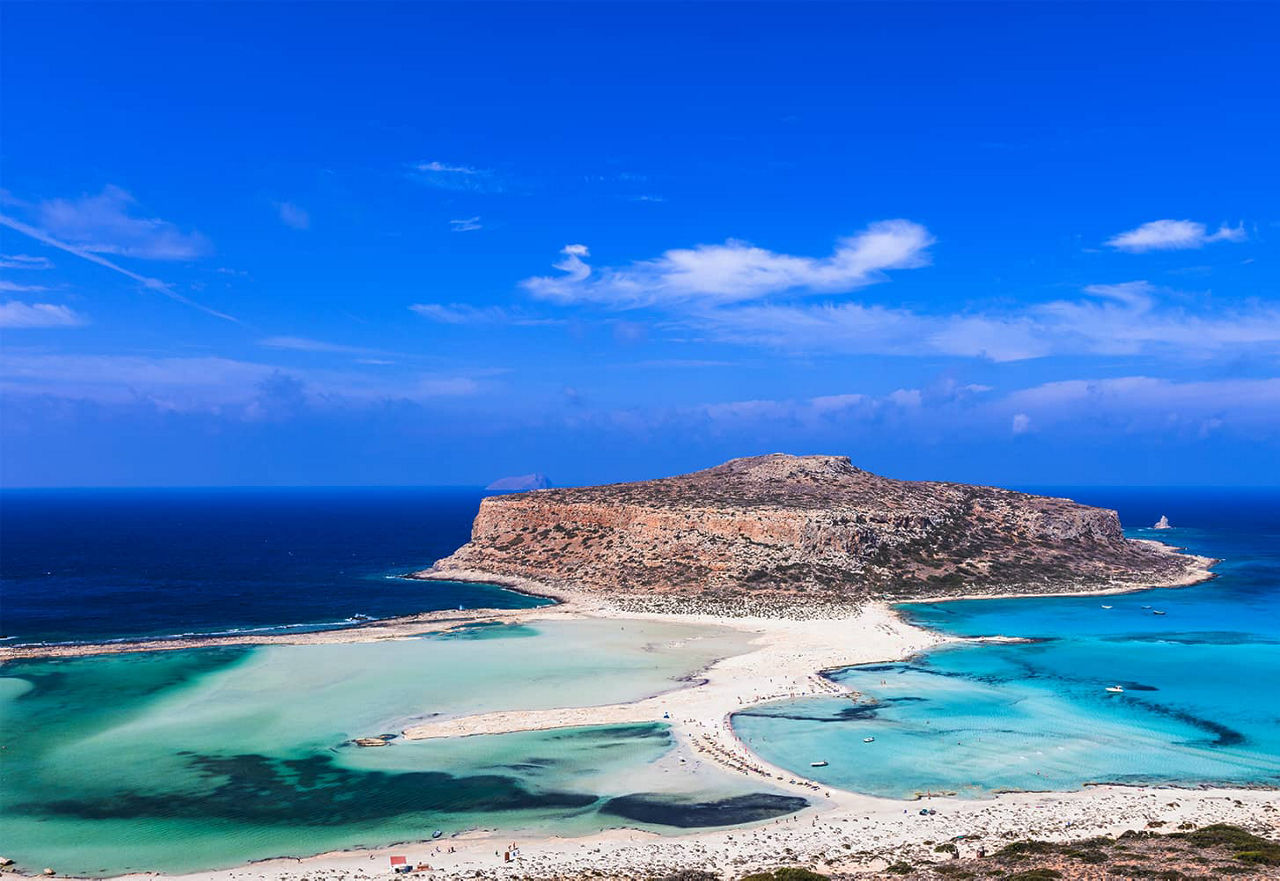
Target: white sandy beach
{"type": "Point", "coordinates": [840, 831]}
{"type": "Point", "coordinates": [850, 833]}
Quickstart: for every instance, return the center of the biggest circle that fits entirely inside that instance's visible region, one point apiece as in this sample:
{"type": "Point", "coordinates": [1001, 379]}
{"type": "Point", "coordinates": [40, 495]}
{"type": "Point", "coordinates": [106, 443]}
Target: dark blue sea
{"type": "Point", "coordinates": [214, 756]}
{"type": "Point", "coordinates": [101, 564]}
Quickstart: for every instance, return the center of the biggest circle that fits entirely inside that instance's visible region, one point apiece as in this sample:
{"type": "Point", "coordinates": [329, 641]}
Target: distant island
{"type": "Point", "coordinates": [520, 483]}
{"type": "Point", "coordinates": [809, 528]}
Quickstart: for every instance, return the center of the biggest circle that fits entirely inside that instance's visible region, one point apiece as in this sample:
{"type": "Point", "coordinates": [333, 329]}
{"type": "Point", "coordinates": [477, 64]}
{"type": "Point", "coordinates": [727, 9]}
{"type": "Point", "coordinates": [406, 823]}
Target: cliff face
{"type": "Point", "coordinates": [808, 526]}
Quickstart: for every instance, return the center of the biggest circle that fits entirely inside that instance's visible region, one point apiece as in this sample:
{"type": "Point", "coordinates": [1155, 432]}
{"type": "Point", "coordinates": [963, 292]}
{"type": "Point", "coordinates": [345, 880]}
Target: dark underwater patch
{"type": "Point", "coordinates": [661, 810]}
{"type": "Point", "coordinates": [486, 630]}
{"type": "Point", "coordinates": [610, 734]}
{"type": "Point", "coordinates": [1222, 735]}
{"type": "Point", "coordinates": [259, 790]}
{"type": "Point", "coordinates": [66, 693]}
{"type": "Point", "coordinates": [848, 713]}
{"type": "Point", "coordinates": [1207, 637]}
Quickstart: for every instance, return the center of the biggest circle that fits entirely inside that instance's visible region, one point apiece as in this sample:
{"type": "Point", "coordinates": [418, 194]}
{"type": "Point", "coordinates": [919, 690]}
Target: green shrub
{"type": "Point", "coordinates": [1019, 849]}
{"type": "Point", "coordinates": [1247, 847]}
{"type": "Point", "coordinates": [786, 873]}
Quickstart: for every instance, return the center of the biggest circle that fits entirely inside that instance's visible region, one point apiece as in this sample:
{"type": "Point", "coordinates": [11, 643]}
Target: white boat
{"type": "Point", "coordinates": [1115, 689]}
{"type": "Point", "coordinates": [868, 740]}
{"type": "Point", "coordinates": [1157, 612]}
{"type": "Point", "coordinates": [1106, 607]}
{"type": "Point", "coordinates": [821, 764]}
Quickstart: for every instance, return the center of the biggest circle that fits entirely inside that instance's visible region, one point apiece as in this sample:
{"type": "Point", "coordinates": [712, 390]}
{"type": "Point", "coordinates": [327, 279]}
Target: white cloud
{"type": "Point", "coordinates": [106, 224]}
{"type": "Point", "coordinates": [214, 384]}
{"type": "Point", "coordinates": [464, 313]}
{"type": "Point", "coordinates": [1152, 404]}
{"type": "Point", "coordinates": [1124, 319]}
{"type": "Point", "coordinates": [303, 344]}
{"type": "Point", "coordinates": [679, 364]}
{"type": "Point", "coordinates": [470, 224]}
{"type": "Point", "coordinates": [446, 168]}
{"type": "Point", "coordinates": [459, 313]}
{"type": "Point", "coordinates": [454, 176]}
{"type": "Point", "coordinates": [293, 216]}
{"type": "Point", "coordinates": [14, 314]}
{"type": "Point", "coordinates": [24, 261]}
{"type": "Point", "coordinates": [153, 284]}
{"type": "Point", "coordinates": [14, 288]}
{"type": "Point", "coordinates": [905, 397]}
{"type": "Point", "coordinates": [1172, 235]}
{"type": "Point", "coordinates": [735, 271]}
{"type": "Point", "coordinates": [1119, 405]}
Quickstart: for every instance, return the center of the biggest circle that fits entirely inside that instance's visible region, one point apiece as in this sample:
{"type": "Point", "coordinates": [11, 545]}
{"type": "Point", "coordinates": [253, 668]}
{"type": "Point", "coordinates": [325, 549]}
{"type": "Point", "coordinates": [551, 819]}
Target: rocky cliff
{"type": "Point", "coordinates": [806, 527]}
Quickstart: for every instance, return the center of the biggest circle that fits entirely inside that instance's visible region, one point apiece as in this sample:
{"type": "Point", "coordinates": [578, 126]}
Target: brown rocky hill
{"type": "Point", "coordinates": [816, 527]}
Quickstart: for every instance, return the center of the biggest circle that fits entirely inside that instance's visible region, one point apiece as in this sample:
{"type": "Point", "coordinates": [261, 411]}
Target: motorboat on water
{"type": "Point", "coordinates": [1106, 607]}
{"type": "Point", "coordinates": [821, 764]}
{"type": "Point", "coordinates": [1115, 689]}
{"type": "Point", "coordinates": [868, 740]}
{"type": "Point", "coordinates": [1157, 612]}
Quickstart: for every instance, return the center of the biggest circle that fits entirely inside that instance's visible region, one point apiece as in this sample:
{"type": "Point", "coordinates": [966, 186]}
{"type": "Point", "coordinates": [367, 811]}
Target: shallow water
{"type": "Point", "coordinates": [1200, 705]}
{"type": "Point", "coordinates": [177, 761]}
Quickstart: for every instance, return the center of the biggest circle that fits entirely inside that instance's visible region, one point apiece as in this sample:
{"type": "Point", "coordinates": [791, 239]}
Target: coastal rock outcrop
{"type": "Point", "coordinates": [812, 527]}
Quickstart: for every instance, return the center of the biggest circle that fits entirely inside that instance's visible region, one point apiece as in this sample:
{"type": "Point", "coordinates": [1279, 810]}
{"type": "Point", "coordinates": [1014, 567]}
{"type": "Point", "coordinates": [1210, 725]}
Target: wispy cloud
{"type": "Point", "coordinates": [735, 271]}
{"type": "Point", "coordinates": [445, 168]}
{"type": "Point", "coordinates": [1126, 405]}
{"type": "Point", "coordinates": [24, 261]}
{"type": "Point", "coordinates": [465, 313]}
{"type": "Point", "coordinates": [293, 216]}
{"type": "Point", "coordinates": [153, 284]}
{"type": "Point", "coordinates": [14, 314]}
{"type": "Point", "coordinates": [470, 224]}
{"type": "Point", "coordinates": [455, 176]}
{"type": "Point", "coordinates": [108, 224]}
{"type": "Point", "coordinates": [14, 287]}
{"type": "Point", "coordinates": [1126, 319]}
{"type": "Point", "coordinates": [1146, 403]}
{"type": "Point", "coordinates": [679, 364]}
{"type": "Point", "coordinates": [1173, 235]}
{"type": "Point", "coordinates": [215, 384]}
{"type": "Point", "coordinates": [303, 344]}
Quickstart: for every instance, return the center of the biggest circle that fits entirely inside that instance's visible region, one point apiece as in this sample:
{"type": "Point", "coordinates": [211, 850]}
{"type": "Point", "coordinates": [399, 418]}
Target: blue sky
{"type": "Point", "coordinates": [416, 244]}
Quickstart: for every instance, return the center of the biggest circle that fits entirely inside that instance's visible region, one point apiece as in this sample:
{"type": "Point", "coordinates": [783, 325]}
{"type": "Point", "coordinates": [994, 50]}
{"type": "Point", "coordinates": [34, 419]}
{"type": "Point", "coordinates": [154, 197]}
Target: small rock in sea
{"type": "Point", "coordinates": [50, 872]}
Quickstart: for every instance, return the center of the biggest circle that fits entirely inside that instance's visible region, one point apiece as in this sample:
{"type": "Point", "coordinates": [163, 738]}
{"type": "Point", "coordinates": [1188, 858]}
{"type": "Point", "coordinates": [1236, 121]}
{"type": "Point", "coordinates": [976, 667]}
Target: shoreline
{"type": "Point", "coordinates": [1197, 570]}
{"type": "Point", "coordinates": [839, 830]}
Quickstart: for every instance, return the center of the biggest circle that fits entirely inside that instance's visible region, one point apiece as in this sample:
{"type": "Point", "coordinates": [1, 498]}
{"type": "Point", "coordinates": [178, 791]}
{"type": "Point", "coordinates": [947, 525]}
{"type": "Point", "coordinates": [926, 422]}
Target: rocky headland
{"type": "Point", "coordinates": [786, 529]}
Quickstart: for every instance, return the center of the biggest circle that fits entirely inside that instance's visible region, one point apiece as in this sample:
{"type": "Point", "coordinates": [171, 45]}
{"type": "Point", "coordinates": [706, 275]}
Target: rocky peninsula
{"type": "Point", "coordinates": [782, 530]}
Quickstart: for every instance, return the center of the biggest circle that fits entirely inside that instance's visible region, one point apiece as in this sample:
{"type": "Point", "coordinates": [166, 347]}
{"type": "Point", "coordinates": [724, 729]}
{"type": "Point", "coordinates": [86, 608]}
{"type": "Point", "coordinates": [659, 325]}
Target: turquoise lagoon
{"type": "Point", "coordinates": [178, 761]}
{"type": "Point", "coordinates": [1201, 703]}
